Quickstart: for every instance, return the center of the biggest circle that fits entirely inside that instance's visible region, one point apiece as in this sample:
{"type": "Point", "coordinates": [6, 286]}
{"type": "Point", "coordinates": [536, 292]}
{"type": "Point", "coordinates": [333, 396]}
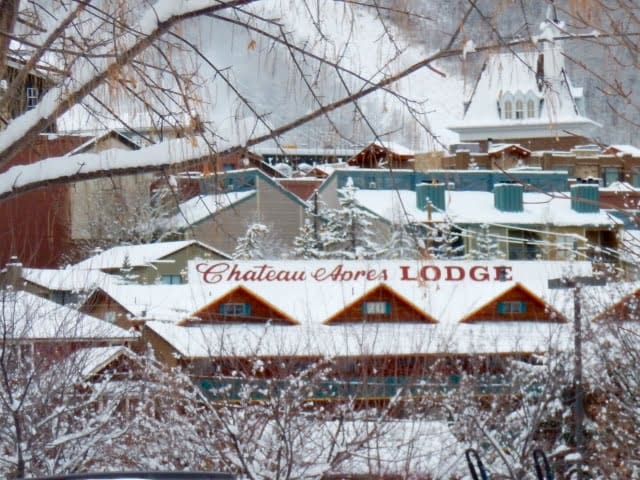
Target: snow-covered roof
{"type": "Point", "coordinates": [68, 279]}
{"type": "Point", "coordinates": [320, 289]}
{"type": "Point", "coordinates": [99, 136]}
{"type": "Point", "coordinates": [361, 339]}
{"type": "Point", "coordinates": [623, 149]}
{"type": "Point", "coordinates": [292, 150]}
{"type": "Point", "coordinates": [499, 147]}
{"type": "Point", "coordinates": [34, 318]}
{"type": "Point", "coordinates": [160, 302]}
{"type": "Point", "coordinates": [395, 148]}
{"type": "Point", "coordinates": [329, 286]}
{"type": "Point", "coordinates": [471, 207]}
{"type": "Point", "coordinates": [92, 360]}
{"type": "Point", "coordinates": [137, 255]}
{"type": "Point", "coordinates": [201, 207]}
{"type": "Point", "coordinates": [619, 187]}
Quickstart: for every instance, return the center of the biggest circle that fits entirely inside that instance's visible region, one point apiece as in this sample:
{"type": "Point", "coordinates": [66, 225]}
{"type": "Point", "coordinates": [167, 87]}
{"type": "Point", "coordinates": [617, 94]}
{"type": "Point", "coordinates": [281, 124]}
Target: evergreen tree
{"type": "Point", "coordinates": [347, 232]}
{"type": "Point", "coordinates": [446, 242]}
{"type": "Point", "coordinates": [486, 247]}
{"type": "Point", "coordinates": [402, 244]}
{"type": "Point", "coordinates": [254, 244]}
{"type": "Point", "coordinates": [305, 244]}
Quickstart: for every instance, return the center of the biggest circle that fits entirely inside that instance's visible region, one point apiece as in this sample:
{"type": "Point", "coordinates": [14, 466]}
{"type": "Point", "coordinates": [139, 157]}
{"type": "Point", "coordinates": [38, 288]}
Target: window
{"type": "Point", "coordinates": [171, 279]}
{"type": "Point", "coordinates": [376, 308]}
{"type": "Point", "coordinates": [508, 110]}
{"type": "Point", "coordinates": [110, 317]}
{"type": "Point", "coordinates": [610, 175]}
{"type": "Point", "coordinates": [531, 109]}
{"type": "Point", "coordinates": [235, 309]}
{"type": "Point", "coordinates": [511, 307]}
{"type": "Point", "coordinates": [63, 297]}
{"type": "Point", "coordinates": [523, 245]}
{"type": "Point", "coordinates": [32, 97]}
{"type": "Point", "coordinates": [519, 109]}
{"type": "Point", "coordinates": [635, 177]}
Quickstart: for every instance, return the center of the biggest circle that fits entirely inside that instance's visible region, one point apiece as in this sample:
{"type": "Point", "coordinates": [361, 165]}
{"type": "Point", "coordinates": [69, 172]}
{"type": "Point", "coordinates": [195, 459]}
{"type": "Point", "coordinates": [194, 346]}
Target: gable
{"type": "Point", "coordinates": [625, 310]}
{"type": "Point", "coordinates": [381, 304]}
{"type": "Point", "coordinates": [240, 305]}
{"type": "Point", "coordinates": [515, 304]}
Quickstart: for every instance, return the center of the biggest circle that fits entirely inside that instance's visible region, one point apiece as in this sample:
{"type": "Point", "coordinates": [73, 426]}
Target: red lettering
{"type": "Point", "coordinates": [424, 273]}
{"type": "Point", "coordinates": [451, 271]}
{"type": "Point", "coordinates": [320, 274]}
{"type": "Point", "coordinates": [503, 273]}
{"type": "Point", "coordinates": [212, 273]}
{"type": "Point", "coordinates": [479, 274]}
{"type": "Point", "coordinates": [404, 273]}
{"type": "Point", "coordinates": [235, 273]}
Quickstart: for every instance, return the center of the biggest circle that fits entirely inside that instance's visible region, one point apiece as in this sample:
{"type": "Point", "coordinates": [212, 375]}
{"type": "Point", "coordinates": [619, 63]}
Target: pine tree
{"type": "Point", "coordinates": [402, 244]}
{"type": "Point", "coordinates": [254, 244]}
{"type": "Point", "coordinates": [446, 242]}
{"type": "Point", "coordinates": [305, 244]}
{"type": "Point", "coordinates": [487, 247]}
{"type": "Point", "coordinates": [347, 232]}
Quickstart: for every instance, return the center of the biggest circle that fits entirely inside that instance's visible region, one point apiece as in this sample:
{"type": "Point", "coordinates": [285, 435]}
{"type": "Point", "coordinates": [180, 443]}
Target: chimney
{"type": "Point", "coordinates": [507, 197]}
{"type": "Point", "coordinates": [433, 192]}
{"type": "Point", "coordinates": [13, 273]}
{"type": "Point", "coordinates": [585, 198]}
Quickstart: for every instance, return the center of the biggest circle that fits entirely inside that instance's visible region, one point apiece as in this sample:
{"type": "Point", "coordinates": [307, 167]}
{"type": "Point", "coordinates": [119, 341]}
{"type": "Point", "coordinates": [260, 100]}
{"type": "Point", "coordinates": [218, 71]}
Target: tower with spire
{"type": "Point", "coordinates": [525, 96]}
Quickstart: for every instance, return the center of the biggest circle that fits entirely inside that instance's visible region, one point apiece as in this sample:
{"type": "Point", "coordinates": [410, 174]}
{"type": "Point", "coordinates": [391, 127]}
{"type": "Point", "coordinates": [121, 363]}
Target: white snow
{"type": "Point", "coordinates": [470, 207]}
{"type": "Point", "coordinates": [32, 318]}
{"type": "Point", "coordinates": [68, 279]}
{"type": "Point", "coordinates": [136, 255]}
{"type": "Point", "coordinates": [166, 153]}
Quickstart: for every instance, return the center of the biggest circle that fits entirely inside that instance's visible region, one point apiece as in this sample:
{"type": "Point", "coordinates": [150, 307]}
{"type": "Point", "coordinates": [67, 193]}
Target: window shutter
{"type": "Point", "coordinates": [364, 308]}
{"type": "Point", "coordinates": [247, 309]}
{"type": "Point", "coordinates": [221, 309]}
{"type": "Point", "coordinates": [523, 307]}
{"type": "Point", "coordinates": [387, 308]}
{"type": "Point", "coordinates": [501, 308]}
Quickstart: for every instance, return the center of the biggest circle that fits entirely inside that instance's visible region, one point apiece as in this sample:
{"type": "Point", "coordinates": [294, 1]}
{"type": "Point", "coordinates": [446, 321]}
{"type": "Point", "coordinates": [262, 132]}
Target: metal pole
{"type": "Point", "coordinates": [577, 380]}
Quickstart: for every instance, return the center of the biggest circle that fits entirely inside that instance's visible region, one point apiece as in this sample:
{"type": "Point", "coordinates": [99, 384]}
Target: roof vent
{"type": "Point", "coordinates": [507, 197]}
{"type": "Point", "coordinates": [433, 192]}
{"type": "Point", "coordinates": [585, 198]}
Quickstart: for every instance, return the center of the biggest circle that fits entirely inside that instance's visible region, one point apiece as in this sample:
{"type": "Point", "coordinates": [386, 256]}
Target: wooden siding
{"type": "Point", "coordinates": [163, 351]}
{"type": "Point", "coordinates": [260, 310]}
{"type": "Point", "coordinates": [402, 311]}
{"type": "Point", "coordinates": [536, 309]}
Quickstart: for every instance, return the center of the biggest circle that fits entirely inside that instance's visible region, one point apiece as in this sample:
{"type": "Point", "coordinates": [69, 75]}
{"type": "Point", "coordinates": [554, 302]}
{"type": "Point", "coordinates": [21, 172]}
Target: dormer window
{"type": "Point", "coordinates": [508, 110]}
{"type": "Point", "coordinates": [519, 110]}
{"type": "Point", "coordinates": [518, 105]}
{"type": "Point", "coordinates": [531, 109]}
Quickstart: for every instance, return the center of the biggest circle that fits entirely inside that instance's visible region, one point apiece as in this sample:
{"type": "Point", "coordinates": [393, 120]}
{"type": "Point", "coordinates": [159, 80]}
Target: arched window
{"type": "Point", "coordinates": [507, 110]}
{"type": "Point", "coordinates": [531, 109]}
{"type": "Point", "coordinates": [519, 109]}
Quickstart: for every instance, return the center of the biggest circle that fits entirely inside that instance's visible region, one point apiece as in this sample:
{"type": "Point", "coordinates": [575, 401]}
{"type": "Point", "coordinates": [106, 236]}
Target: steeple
{"type": "Point", "coordinates": [526, 94]}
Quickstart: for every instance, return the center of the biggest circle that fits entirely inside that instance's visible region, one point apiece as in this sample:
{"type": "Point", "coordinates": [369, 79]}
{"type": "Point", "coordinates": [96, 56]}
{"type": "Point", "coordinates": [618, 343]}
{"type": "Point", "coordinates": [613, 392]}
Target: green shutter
{"type": "Point", "coordinates": [247, 309]}
{"type": "Point", "coordinates": [387, 308]}
{"type": "Point", "coordinates": [523, 307]}
{"type": "Point", "coordinates": [501, 308]}
{"type": "Point", "coordinates": [221, 309]}
{"type": "Point", "coordinates": [364, 308]}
